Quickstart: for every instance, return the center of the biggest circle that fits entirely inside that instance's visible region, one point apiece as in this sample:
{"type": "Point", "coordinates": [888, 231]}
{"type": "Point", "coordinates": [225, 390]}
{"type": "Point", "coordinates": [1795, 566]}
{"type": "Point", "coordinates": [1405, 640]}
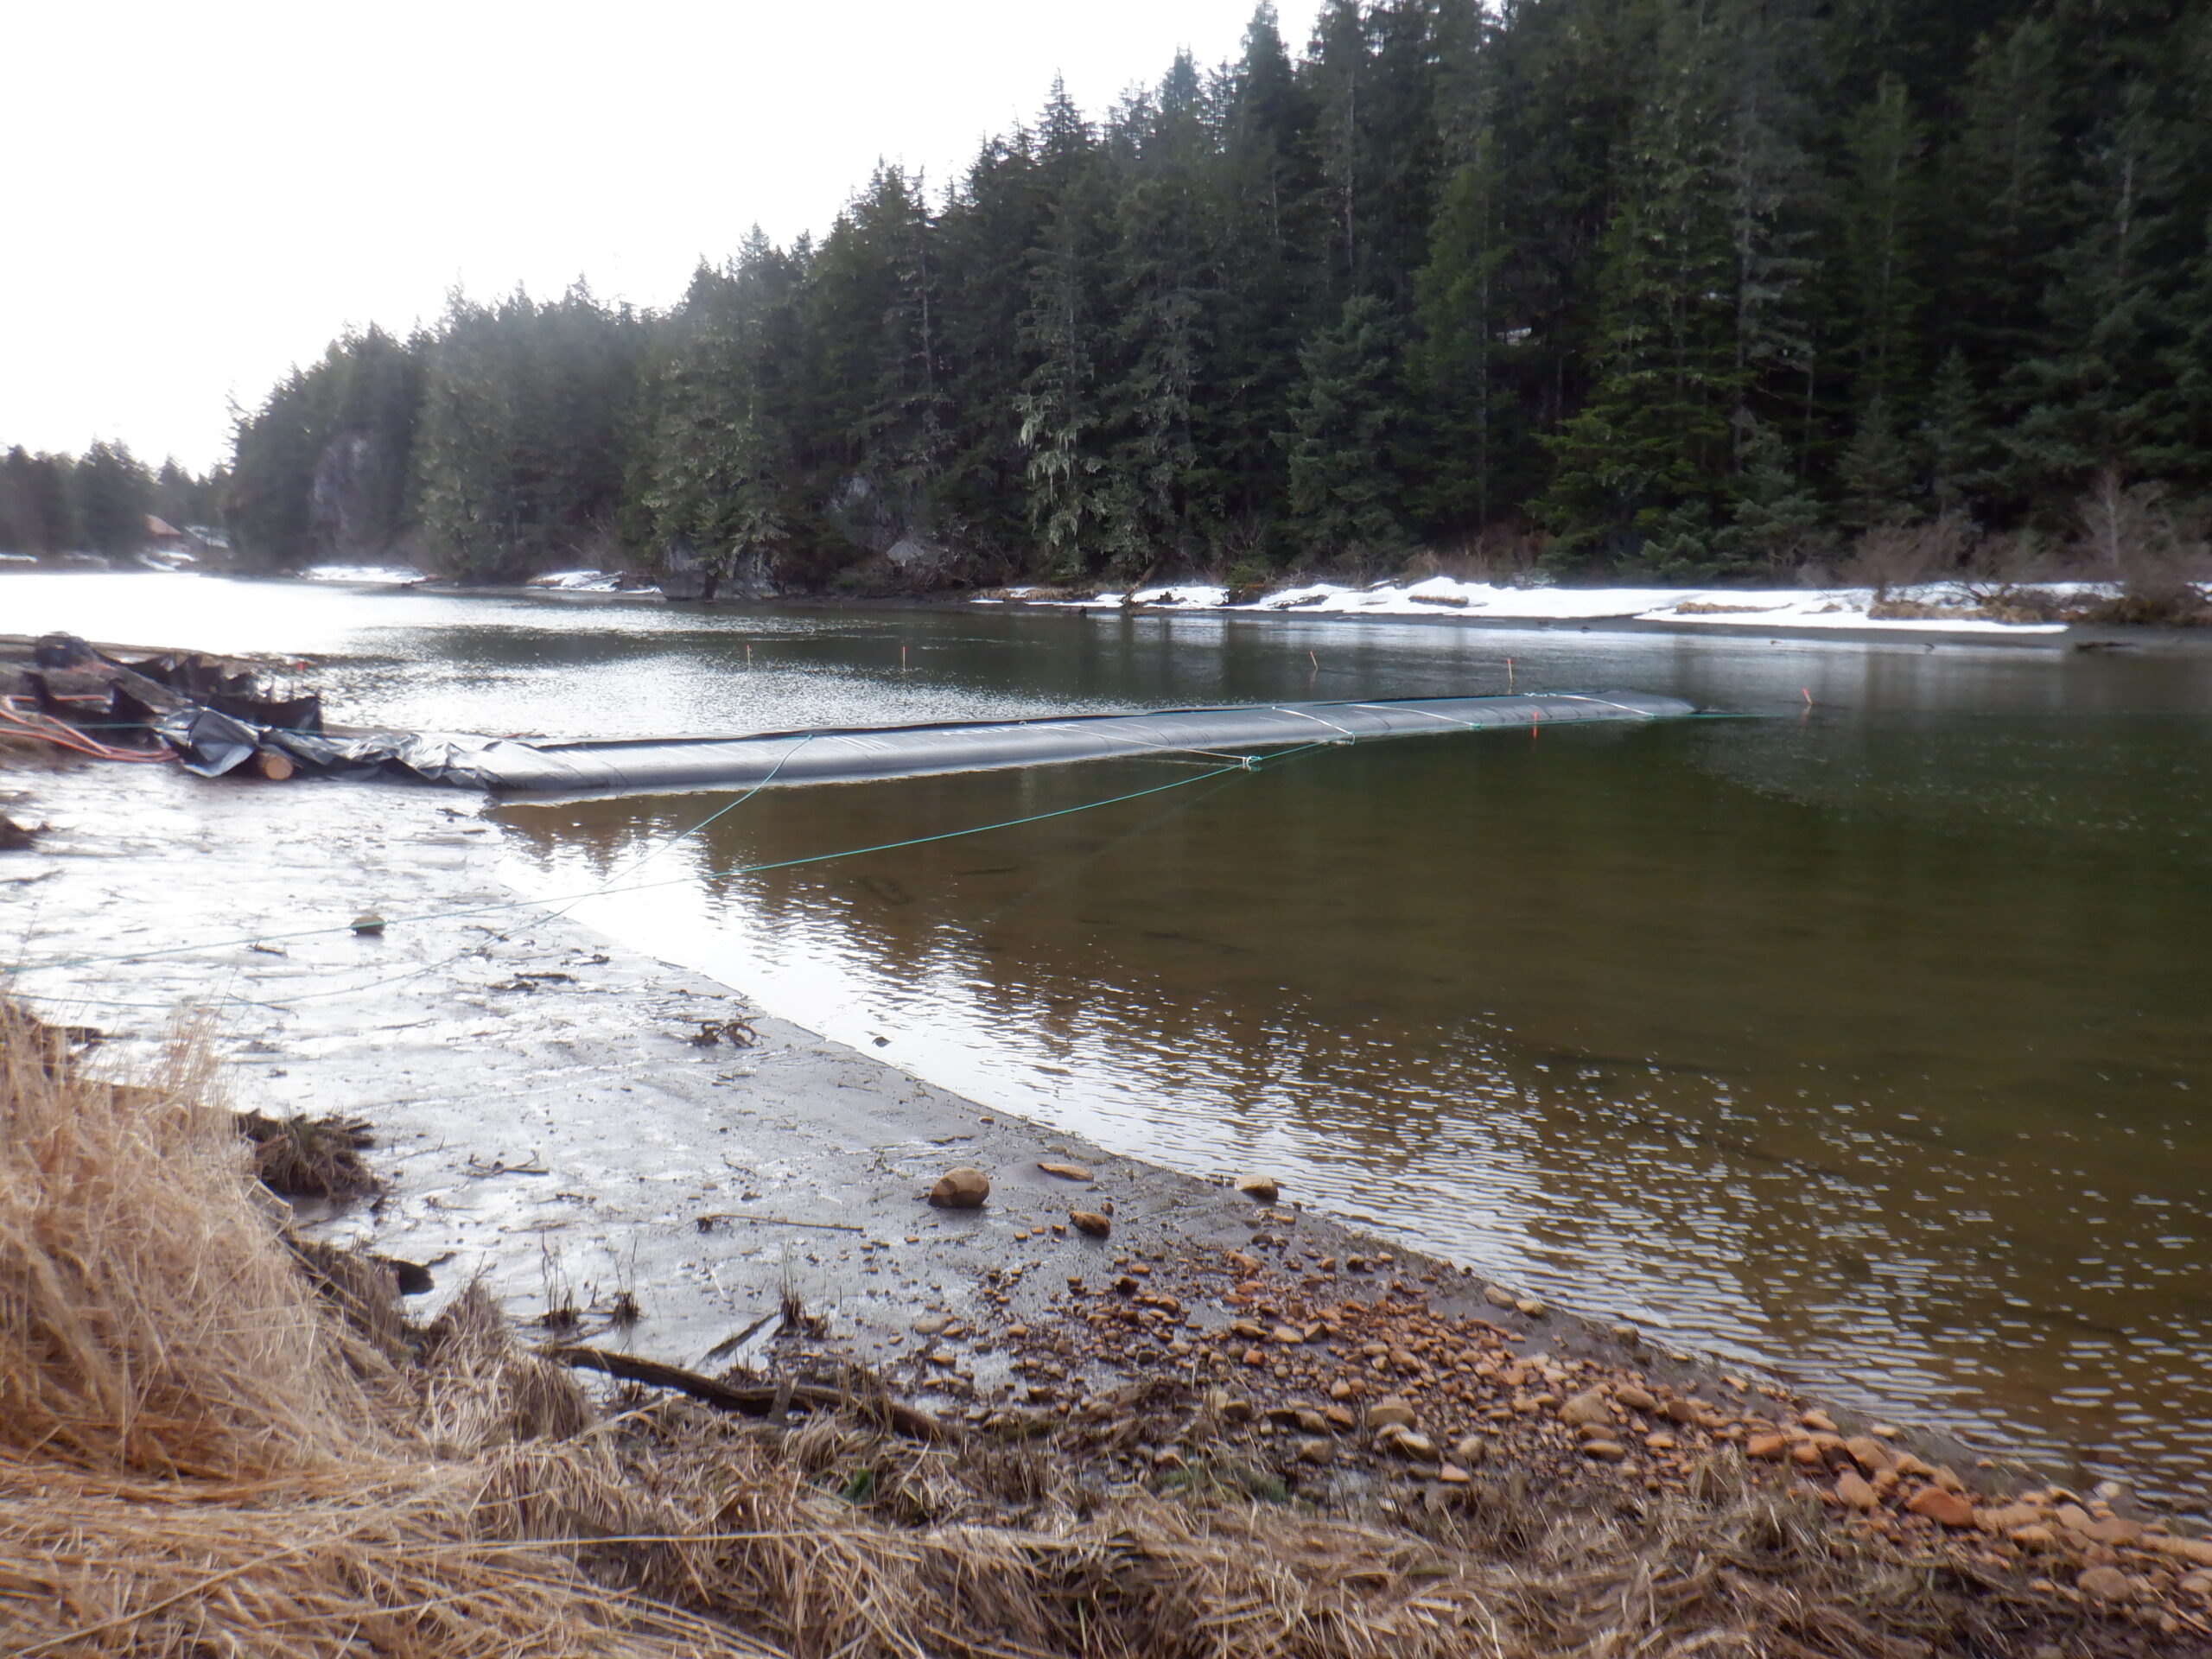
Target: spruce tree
{"type": "Point", "coordinates": [1774, 520]}
{"type": "Point", "coordinates": [1954, 440]}
{"type": "Point", "coordinates": [1059, 403]}
{"type": "Point", "coordinates": [523, 454]}
{"type": "Point", "coordinates": [984, 235]}
{"type": "Point", "coordinates": [2003, 167]}
{"type": "Point", "coordinates": [1876, 470]}
{"type": "Point", "coordinates": [1343, 502]}
{"type": "Point", "coordinates": [1400, 142]}
{"type": "Point", "coordinates": [1339, 70]}
{"type": "Point", "coordinates": [1273, 223]}
{"type": "Point", "coordinates": [113, 494]}
{"type": "Point", "coordinates": [1883, 228]}
{"type": "Point", "coordinates": [37, 514]}
{"type": "Point", "coordinates": [1772, 189]}
{"type": "Point", "coordinates": [2175, 413]}
{"type": "Point", "coordinates": [1162, 288]}
{"type": "Point", "coordinates": [2087, 399]}
{"type": "Point", "coordinates": [872, 303]}
{"type": "Point", "coordinates": [1470, 405]}
{"type": "Point", "coordinates": [273, 455]}
{"type": "Point", "coordinates": [1648, 456]}
{"type": "Point", "coordinates": [720, 476]}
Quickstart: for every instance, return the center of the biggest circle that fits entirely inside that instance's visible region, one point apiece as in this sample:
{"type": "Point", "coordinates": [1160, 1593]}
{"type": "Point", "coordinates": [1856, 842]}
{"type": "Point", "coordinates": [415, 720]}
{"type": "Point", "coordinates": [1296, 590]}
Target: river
{"type": "Point", "coordinates": [1866, 1040]}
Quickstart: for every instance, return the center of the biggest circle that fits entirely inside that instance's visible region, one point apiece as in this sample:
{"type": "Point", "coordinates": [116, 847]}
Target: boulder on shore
{"type": "Point", "coordinates": [964, 1188]}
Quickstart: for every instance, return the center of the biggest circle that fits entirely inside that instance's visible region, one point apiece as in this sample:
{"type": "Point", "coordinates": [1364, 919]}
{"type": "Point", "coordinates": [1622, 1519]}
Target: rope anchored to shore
{"type": "Point", "coordinates": [611, 888]}
{"type": "Point", "coordinates": [560, 904]}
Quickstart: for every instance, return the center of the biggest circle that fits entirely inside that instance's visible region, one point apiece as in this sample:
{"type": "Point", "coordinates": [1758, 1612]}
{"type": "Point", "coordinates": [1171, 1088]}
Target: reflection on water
{"type": "Point", "coordinates": [1902, 1105]}
{"type": "Point", "coordinates": [1867, 1040]}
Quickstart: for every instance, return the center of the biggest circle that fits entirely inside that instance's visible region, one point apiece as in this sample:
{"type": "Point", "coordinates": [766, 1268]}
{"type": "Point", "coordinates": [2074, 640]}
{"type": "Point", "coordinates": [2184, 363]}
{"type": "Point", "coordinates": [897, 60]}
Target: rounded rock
{"type": "Point", "coordinates": [1946, 1509]}
{"type": "Point", "coordinates": [964, 1188]}
{"type": "Point", "coordinates": [1870, 1453]}
{"type": "Point", "coordinates": [2106, 1584]}
{"type": "Point", "coordinates": [1392, 1413]}
{"type": "Point", "coordinates": [1587, 1408]}
{"type": "Point", "coordinates": [1851, 1488]}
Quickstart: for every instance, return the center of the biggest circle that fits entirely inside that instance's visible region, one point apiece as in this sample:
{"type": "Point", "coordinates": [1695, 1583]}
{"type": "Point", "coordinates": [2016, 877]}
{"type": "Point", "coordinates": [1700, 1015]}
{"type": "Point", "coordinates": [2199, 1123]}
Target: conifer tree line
{"type": "Point", "coordinates": [97, 502]}
{"type": "Point", "coordinates": [1677, 288]}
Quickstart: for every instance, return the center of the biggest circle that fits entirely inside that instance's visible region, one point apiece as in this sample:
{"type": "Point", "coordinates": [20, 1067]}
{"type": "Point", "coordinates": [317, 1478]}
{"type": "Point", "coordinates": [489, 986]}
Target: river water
{"type": "Point", "coordinates": [1867, 1040]}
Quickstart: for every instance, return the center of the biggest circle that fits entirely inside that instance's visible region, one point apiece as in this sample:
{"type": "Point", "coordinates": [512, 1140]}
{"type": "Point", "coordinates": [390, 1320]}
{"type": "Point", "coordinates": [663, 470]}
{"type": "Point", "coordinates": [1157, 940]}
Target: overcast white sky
{"type": "Point", "coordinates": [198, 196]}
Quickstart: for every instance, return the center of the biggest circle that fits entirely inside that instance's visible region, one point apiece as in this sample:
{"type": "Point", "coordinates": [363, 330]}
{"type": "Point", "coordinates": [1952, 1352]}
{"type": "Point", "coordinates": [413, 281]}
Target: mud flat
{"type": "Point", "coordinates": [629, 1156]}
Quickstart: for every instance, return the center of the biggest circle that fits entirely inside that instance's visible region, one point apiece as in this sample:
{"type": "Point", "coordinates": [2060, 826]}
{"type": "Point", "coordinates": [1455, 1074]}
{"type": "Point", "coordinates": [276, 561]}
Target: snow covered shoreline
{"type": "Point", "coordinates": [2028, 613]}
{"type": "Point", "coordinates": [1937, 607]}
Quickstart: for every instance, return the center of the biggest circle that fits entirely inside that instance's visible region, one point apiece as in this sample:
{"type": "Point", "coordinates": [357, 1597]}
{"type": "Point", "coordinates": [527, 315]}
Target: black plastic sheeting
{"type": "Point", "coordinates": [211, 743]}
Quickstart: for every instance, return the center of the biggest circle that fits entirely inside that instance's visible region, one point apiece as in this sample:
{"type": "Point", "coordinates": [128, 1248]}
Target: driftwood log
{"type": "Point", "coordinates": [754, 1400]}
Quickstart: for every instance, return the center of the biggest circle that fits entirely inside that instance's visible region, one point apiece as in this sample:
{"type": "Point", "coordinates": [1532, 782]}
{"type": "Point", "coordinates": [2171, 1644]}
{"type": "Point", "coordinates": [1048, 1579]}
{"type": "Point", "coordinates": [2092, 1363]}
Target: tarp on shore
{"type": "Point", "coordinates": [210, 742]}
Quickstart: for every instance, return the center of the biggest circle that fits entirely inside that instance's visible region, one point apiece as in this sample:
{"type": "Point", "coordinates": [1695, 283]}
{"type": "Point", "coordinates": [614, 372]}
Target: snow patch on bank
{"type": "Point", "coordinates": [1776, 607]}
{"type": "Point", "coordinates": [382, 574]}
{"type": "Point", "coordinates": [584, 581]}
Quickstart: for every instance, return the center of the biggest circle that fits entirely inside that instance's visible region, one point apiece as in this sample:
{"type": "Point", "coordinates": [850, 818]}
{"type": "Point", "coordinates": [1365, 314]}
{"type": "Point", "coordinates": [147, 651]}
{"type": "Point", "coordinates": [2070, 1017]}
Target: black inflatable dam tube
{"type": "Point", "coordinates": [538, 767]}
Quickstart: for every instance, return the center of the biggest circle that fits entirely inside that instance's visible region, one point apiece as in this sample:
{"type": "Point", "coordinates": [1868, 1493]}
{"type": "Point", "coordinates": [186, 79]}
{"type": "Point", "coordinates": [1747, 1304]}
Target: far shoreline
{"type": "Point", "coordinates": [1918, 636]}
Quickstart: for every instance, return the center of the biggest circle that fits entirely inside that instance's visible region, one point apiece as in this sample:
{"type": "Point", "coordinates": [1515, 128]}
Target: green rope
{"type": "Point", "coordinates": [611, 887]}
{"type": "Point", "coordinates": [568, 902]}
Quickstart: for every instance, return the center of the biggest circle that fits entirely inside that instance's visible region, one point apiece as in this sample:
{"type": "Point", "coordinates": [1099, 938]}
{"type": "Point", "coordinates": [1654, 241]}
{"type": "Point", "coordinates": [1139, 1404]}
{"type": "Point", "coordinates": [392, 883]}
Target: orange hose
{"type": "Point", "coordinates": [43, 726]}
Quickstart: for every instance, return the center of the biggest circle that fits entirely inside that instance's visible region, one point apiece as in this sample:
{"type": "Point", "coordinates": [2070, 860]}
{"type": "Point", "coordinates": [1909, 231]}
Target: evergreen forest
{"type": "Point", "coordinates": [97, 502]}
{"type": "Point", "coordinates": [1679, 288]}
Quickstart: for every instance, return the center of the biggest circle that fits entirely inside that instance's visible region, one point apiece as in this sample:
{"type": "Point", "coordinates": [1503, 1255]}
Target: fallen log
{"type": "Point", "coordinates": [756, 1401]}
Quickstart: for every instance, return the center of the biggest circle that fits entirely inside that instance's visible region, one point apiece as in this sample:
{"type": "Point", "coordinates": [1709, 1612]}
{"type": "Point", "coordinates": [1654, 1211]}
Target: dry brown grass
{"type": "Point", "coordinates": [201, 1455]}
{"type": "Point", "coordinates": [198, 1456]}
{"type": "Point", "coordinates": [302, 1157]}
